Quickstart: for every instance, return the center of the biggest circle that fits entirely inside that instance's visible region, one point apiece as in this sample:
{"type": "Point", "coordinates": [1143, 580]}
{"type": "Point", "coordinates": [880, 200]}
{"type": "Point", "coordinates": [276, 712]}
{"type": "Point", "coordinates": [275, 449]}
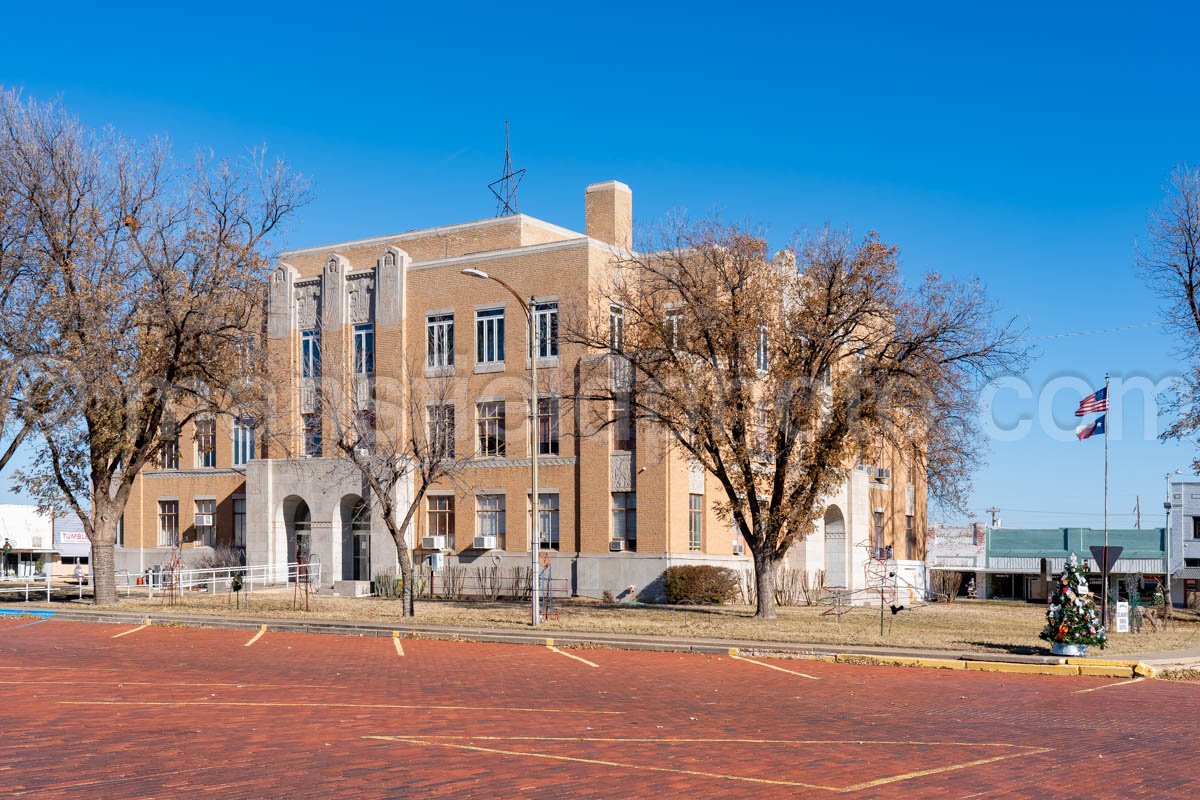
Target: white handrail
{"type": "Point", "coordinates": [27, 581]}
{"type": "Point", "coordinates": [261, 575]}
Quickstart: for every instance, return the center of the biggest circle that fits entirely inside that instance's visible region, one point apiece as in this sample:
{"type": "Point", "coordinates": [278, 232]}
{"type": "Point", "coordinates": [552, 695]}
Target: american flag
{"type": "Point", "coordinates": [1096, 401]}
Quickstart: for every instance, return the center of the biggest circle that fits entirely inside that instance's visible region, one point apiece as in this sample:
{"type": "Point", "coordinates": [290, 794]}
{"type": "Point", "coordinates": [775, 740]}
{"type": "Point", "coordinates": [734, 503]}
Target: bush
{"type": "Point", "coordinates": [699, 585]}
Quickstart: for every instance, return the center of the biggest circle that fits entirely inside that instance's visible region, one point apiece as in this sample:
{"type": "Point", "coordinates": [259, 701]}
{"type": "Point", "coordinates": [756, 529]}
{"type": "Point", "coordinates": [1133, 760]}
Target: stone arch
{"type": "Point", "coordinates": [835, 548]}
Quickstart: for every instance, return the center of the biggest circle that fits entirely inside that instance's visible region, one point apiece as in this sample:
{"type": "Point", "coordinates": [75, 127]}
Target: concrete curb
{"type": "Point", "coordinates": [1075, 666]}
{"type": "Point", "coordinates": [875, 656]}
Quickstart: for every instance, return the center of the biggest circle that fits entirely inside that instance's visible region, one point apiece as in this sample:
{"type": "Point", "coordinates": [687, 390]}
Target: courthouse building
{"type": "Point", "coordinates": [616, 507]}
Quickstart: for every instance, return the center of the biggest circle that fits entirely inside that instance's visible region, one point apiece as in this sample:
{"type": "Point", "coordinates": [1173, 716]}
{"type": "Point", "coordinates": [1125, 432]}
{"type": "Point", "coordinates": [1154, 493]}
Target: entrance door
{"type": "Point", "coordinates": [362, 556]}
{"type": "Point", "coordinates": [835, 548]}
{"type": "Point", "coordinates": [360, 542]}
{"type": "Point", "coordinates": [299, 541]}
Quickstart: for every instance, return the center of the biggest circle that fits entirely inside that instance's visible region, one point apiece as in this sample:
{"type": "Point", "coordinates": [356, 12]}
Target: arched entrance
{"type": "Point", "coordinates": [356, 538]}
{"type": "Point", "coordinates": [835, 548]}
{"type": "Point", "coordinates": [299, 532]}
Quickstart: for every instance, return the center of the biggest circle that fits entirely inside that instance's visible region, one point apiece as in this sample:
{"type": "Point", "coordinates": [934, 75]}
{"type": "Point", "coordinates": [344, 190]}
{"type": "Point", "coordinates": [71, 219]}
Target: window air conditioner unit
{"type": "Point", "coordinates": [616, 545]}
{"type": "Point", "coordinates": [204, 520]}
{"type": "Point", "coordinates": [738, 549]}
{"type": "Point", "coordinates": [883, 474]}
{"type": "Point", "coordinates": [433, 542]}
{"type": "Point", "coordinates": [486, 542]}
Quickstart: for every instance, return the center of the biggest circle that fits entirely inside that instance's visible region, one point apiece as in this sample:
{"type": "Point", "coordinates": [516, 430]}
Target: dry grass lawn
{"type": "Point", "coordinates": [970, 625]}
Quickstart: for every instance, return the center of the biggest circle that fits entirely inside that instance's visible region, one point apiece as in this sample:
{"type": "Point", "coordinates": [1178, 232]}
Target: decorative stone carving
{"type": "Point", "coordinates": [695, 477]}
{"type": "Point", "coordinates": [391, 281]}
{"type": "Point", "coordinates": [622, 472]}
{"type": "Point", "coordinates": [361, 291]}
{"type": "Point", "coordinates": [307, 296]}
{"type": "Point", "coordinates": [280, 302]}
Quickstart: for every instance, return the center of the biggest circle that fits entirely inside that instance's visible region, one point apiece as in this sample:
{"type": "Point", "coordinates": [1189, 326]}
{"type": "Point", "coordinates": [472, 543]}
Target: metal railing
{"type": "Point", "coordinates": [28, 583]}
{"type": "Point", "coordinates": [218, 578]}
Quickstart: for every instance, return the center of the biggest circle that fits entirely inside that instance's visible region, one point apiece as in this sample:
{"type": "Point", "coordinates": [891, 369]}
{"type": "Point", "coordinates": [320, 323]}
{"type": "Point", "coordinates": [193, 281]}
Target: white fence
{"type": "Point", "coordinates": [25, 584]}
{"type": "Point", "coordinates": [220, 578]}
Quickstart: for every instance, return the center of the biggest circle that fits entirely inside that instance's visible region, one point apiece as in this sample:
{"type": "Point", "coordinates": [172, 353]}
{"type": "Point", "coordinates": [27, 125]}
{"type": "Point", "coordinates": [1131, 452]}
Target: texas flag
{"type": "Point", "coordinates": [1092, 428]}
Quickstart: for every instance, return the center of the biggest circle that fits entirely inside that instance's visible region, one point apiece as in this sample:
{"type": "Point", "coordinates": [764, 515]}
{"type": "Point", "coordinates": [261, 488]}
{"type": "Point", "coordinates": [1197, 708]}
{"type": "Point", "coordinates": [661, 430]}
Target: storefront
{"type": "Point", "coordinates": [26, 541]}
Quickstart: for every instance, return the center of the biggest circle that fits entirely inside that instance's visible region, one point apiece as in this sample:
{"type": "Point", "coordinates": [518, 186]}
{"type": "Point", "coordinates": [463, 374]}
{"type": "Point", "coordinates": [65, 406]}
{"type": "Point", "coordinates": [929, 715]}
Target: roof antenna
{"type": "Point", "coordinates": [506, 194]}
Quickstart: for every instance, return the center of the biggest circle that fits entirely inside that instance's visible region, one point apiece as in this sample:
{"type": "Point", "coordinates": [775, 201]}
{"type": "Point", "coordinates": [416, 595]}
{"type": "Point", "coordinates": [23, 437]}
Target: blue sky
{"type": "Point", "coordinates": [1018, 144]}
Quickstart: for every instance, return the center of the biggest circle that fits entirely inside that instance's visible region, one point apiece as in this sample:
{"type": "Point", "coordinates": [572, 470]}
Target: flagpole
{"type": "Point", "coordinates": [1104, 566]}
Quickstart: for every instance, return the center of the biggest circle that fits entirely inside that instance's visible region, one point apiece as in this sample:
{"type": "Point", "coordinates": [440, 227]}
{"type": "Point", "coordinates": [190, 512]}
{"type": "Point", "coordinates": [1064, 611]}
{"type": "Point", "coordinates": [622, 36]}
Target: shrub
{"type": "Point", "coordinates": [699, 585]}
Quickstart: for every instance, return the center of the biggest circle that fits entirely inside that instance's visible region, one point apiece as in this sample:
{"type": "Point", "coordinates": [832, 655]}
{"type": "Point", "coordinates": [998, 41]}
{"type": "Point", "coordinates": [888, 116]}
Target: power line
{"type": "Point", "coordinates": [1097, 331]}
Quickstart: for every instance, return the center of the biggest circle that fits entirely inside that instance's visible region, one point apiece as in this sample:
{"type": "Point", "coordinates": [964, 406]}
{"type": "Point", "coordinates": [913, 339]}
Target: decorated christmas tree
{"type": "Point", "coordinates": [1072, 618]}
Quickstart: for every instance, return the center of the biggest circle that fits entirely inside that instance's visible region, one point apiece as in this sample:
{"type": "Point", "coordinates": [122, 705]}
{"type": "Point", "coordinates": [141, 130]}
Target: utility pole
{"type": "Point", "coordinates": [1138, 510]}
{"type": "Point", "coordinates": [995, 519]}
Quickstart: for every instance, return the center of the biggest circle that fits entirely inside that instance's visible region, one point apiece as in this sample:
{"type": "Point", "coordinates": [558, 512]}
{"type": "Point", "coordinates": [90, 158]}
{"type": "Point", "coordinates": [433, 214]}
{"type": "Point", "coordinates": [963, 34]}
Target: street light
{"type": "Point", "coordinates": [535, 509]}
{"type": "Point", "coordinates": [1170, 566]}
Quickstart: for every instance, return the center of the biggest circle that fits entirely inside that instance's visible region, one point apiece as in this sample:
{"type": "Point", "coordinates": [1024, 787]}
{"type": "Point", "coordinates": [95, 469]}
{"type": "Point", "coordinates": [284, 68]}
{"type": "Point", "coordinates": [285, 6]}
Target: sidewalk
{"type": "Point", "coordinates": [953, 659]}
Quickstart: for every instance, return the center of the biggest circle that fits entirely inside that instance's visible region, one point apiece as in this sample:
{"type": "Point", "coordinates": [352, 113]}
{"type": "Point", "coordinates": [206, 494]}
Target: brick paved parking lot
{"type": "Point", "coordinates": [106, 711]}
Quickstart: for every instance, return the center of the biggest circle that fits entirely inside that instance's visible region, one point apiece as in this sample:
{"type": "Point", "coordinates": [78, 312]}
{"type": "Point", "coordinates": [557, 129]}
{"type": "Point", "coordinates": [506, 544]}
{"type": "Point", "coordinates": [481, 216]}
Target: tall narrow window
{"type": "Point", "coordinates": [169, 458]}
{"type": "Point", "coordinates": [310, 353]}
{"type": "Point", "coordinates": [439, 340]}
{"type": "Point", "coordinates": [243, 441]}
{"type": "Point", "coordinates": [878, 534]}
{"type": "Point", "coordinates": [695, 521]}
{"type": "Point", "coordinates": [168, 523]}
{"type": "Point", "coordinates": [441, 430]}
{"type": "Point", "coordinates": [364, 349]}
{"type": "Point", "coordinates": [490, 423]}
{"type": "Point", "coordinates": [206, 442]}
{"type": "Point", "coordinates": [624, 519]}
{"type": "Point", "coordinates": [545, 323]}
{"type": "Point", "coordinates": [548, 426]}
{"type": "Point", "coordinates": [239, 522]}
{"type": "Point", "coordinates": [206, 522]}
{"type": "Point", "coordinates": [616, 329]}
{"type": "Point", "coordinates": [760, 356]}
{"type": "Point", "coordinates": [548, 519]}
{"type": "Point", "coordinates": [910, 536]}
{"type": "Point", "coordinates": [489, 512]}
{"type": "Point", "coordinates": [624, 429]}
{"type": "Point", "coordinates": [364, 429]}
{"type": "Point", "coordinates": [441, 517]}
{"type": "Point", "coordinates": [312, 435]}
{"type": "Point", "coordinates": [674, 325]}
{"type": "Point", "coordinates": [489, 336]}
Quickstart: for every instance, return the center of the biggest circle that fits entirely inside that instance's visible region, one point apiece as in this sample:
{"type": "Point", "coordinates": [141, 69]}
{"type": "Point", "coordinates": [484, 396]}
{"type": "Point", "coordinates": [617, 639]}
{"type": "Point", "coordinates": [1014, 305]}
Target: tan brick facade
{"type": "Point", "coordinates": [421, 273]}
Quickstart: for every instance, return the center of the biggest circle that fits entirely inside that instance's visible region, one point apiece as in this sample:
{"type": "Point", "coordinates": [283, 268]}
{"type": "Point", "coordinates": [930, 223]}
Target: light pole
{"type": "Point", "coordinates": [1167, 510]}
{"type": "Point", "coordinates": [535, 510]}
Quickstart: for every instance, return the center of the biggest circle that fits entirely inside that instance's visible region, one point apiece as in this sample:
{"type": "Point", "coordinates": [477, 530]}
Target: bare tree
{"type": "Point", "coordinates": [400, 437]}
{"type": "Point", "coordinates": [19, 297]}
{"type": "Point", "coordinates": [777, 374]}
{"type": "Point", "coordinates": [152, 279]}
{"type": "Point", "coordinates": [1170, 264]}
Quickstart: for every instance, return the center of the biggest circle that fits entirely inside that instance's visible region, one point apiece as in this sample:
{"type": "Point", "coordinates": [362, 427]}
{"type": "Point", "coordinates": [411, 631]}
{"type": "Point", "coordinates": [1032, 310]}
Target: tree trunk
{"type": "Point", "coordinates": [103, 561]}
{"type": "Point", "coordinates": [764, 578]}
{"type": "Point", "coordinates": [407, 573]}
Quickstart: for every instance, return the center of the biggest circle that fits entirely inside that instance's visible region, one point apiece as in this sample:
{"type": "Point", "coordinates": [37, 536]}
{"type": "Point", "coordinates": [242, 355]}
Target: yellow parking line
{"type": "Point", "coordinates": [261, 630]}
{"type": "Point", "coordinates": [396, 641]}
{"type": "Point", "coordinates": [554, 649]}
{"type": "Point", "coordinates": [1108, 685]}
{"type": "Point", "coordinates": [131, 630]}
{"type": "Point", "coordinates": [772, 666]}
{"type": "Point", "coordinates": [418, 707]}
{"type": "Point", "coordinates": [465, 743]}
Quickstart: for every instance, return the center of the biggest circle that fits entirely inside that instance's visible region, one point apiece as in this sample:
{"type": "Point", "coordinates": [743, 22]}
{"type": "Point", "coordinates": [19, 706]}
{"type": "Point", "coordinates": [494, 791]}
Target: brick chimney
{"type": "Point", "coordinates": [609, 213]}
